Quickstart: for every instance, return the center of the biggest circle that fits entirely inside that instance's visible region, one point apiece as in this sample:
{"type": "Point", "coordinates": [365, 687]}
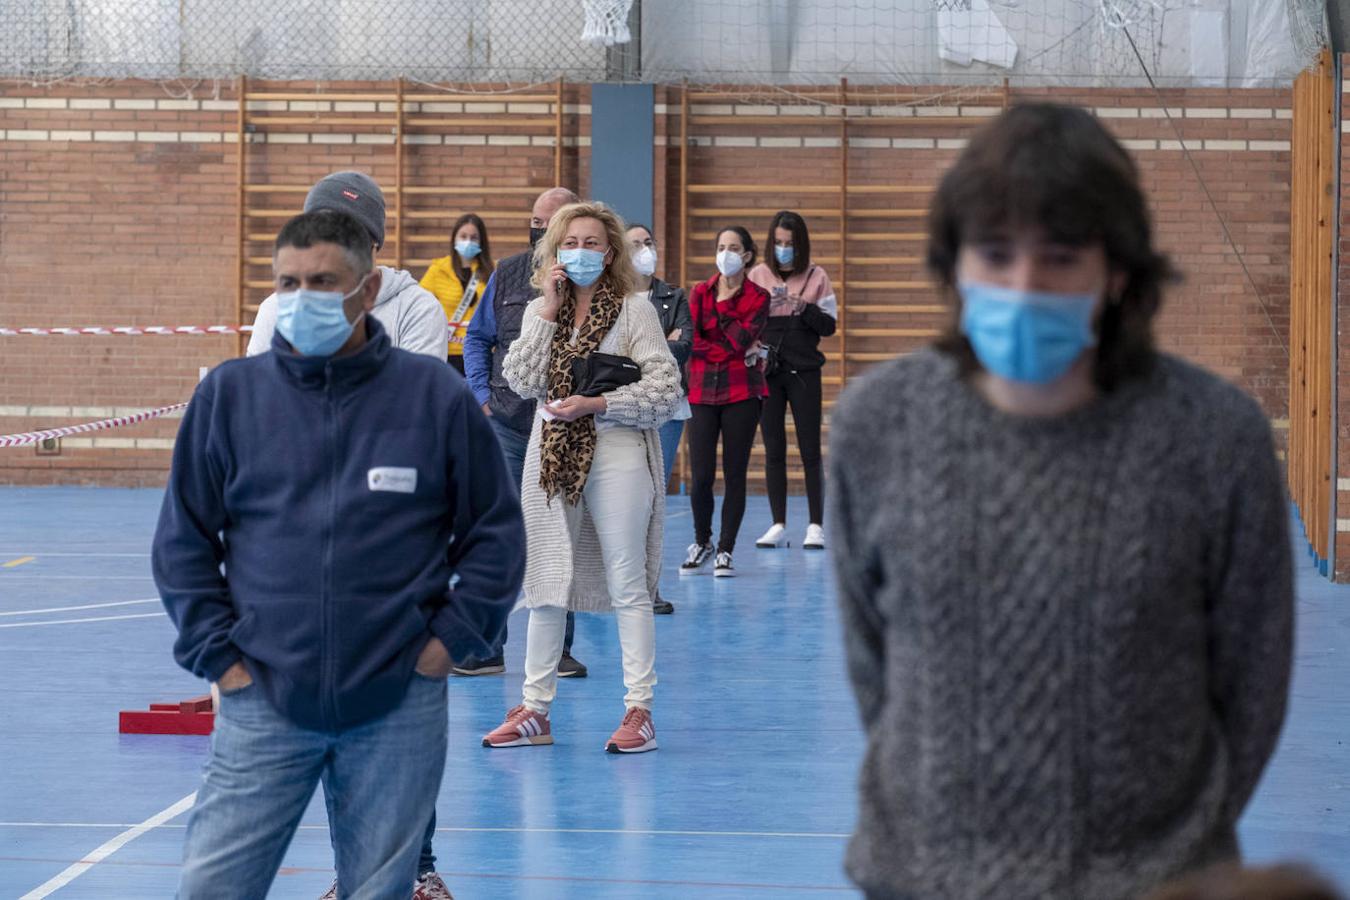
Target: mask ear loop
{"type": "Point", "coordinates": [360, 284]}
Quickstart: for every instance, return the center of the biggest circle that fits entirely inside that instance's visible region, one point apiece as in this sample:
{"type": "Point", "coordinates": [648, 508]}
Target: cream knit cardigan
{"type": "Point", "coordinates": [563, 565]}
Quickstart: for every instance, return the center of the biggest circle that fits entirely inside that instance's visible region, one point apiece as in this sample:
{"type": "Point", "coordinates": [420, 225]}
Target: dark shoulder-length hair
{"type": "Point", "coordinates": [801, 242]}
{"type": "Point", "coordinates": [747, 242]}
{"type": "Point", "coordinates": [485, 264]}
{"type": "Point", "coordinates": [1042, 165]}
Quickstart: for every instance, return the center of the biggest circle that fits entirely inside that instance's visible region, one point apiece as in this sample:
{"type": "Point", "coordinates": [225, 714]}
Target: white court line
{"type": "Point", "coordinates": [34, 612]}
{"type": "Point", "coordinates": [451, 829]}
{"type": "Point", "coordinates": [638, 831]}
{"type": "Point", "coordinates": [8, 577]}
{"type": "Point", "coordinates": [109, 848]}
{"type": "Point", "coordinates": [82, 555]}
{"type": "Point", "coordinates": [78, 621]}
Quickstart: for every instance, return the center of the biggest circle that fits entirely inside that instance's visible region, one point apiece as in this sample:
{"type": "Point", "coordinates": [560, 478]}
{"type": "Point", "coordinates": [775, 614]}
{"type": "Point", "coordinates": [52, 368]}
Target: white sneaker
{"type": "Point", "coordinates": [776, 536]}
{"type": "Point", "coordinates": [697, 557]}
{"type": "Point", "coordinates": [723, 567]}
{"type": "Point", "coordinates": [815, 538]}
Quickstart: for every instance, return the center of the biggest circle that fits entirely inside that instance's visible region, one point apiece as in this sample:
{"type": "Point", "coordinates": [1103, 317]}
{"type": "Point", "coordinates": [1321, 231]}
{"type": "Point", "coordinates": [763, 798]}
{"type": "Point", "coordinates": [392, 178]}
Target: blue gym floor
{"type": "Point", "coordinates": [750, 795]}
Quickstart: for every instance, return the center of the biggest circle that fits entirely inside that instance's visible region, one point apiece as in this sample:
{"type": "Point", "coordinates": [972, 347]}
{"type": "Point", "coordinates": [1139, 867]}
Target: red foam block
{"type": "Point", "coordinates": [193, 716]}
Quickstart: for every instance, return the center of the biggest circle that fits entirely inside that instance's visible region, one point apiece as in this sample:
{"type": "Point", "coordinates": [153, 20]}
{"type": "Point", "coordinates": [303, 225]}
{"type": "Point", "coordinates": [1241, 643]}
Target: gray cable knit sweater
{"type": "Point", "coordinates": [1070, 638]}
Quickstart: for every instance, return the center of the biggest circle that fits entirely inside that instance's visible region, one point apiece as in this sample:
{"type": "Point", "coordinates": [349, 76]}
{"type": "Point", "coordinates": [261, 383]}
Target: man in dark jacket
{"type": "Point", "coordinates": [322, 499]}
{"type": "Point", "coordinates": [486, 342]}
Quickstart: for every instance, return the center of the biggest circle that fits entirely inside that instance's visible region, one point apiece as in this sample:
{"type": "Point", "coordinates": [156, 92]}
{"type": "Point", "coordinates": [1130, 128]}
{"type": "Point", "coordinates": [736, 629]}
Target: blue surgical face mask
{"type": "Point", "coordinates": [784, 255]}
{"type": "Point", "coordinates": [468, 249]}
{"type": "Point", "coordinates": [314, 322]}
{"type": "Point", "coordinates": [1026, 336]}
{"type": "Point", "coordinates": [583, 266]}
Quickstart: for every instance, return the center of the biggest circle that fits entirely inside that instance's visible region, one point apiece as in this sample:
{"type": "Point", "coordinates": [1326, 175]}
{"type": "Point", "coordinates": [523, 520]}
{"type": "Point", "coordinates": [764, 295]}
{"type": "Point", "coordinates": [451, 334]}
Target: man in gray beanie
{"type": "Point", "coordinates": [411, 315]}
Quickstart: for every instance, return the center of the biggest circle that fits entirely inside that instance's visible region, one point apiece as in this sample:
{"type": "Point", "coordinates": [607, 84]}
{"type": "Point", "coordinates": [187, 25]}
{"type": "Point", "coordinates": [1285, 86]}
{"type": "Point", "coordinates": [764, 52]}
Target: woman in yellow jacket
{"type": "Point", "coordinates": [458, 280]}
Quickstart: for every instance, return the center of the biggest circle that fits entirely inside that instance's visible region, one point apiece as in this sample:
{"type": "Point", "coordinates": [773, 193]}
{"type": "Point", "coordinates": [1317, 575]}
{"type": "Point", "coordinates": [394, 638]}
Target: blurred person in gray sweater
{"type": "Point", "coordinates": [1062, 556]}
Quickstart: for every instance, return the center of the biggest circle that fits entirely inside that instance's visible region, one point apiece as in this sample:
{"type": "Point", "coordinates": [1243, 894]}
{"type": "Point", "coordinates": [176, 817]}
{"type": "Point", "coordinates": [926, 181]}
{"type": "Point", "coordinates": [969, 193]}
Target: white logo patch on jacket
{"type": "Point", "coordinates": [392, 478]}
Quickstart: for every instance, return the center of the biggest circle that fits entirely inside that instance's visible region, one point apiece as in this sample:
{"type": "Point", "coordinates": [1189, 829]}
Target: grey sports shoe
{"type": "Point", "coordinates": [571, 667]}
{"type": "Point", "coordinates": [494, 666]}
{"type": "Point", "coordinates": [696, 558]}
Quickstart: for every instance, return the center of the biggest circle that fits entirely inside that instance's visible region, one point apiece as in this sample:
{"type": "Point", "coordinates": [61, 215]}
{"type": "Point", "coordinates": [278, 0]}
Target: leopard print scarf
{"type": "Point", "coordinates": [567, 449]}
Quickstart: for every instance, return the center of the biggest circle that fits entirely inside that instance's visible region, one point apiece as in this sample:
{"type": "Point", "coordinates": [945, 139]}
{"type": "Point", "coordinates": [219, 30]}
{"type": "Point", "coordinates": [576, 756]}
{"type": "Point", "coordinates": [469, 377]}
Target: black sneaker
{"type": "Point", "coordinates": [697, 558]}
{"type": "Point", "coordinates": [571, 667]}
{"type": "Point", "coordinates": [662, 607]}
{"type": "Point", "coordinates": [494, 666]}
{"type": "Point", "coordinates": [723, 567]}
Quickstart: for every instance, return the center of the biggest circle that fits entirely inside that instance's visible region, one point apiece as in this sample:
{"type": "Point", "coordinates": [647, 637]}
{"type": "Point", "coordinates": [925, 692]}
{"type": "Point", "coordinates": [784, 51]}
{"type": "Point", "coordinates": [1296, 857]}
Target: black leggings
{"type": "Point", "coordinates": [735, 423]}
{"type": "Point", "coordinates": [802, 391]}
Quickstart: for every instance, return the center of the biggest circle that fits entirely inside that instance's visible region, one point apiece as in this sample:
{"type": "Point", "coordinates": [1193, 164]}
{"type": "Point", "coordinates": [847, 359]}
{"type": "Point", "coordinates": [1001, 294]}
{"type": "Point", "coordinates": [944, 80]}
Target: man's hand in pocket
{"type": "Point", "coordinates": [434, 661]}
{"type": "Point", "coordinates": [236, 678]}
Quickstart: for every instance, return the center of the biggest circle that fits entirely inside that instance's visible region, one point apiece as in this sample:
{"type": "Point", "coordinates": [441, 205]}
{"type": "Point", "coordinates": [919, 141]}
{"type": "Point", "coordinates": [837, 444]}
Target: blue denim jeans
{"type": "Point", "coordinates": [381, 779]}
{"type": "Point", "coordinates": [514, 444]}
{"type": "Point", "coordinates": [671, 432]}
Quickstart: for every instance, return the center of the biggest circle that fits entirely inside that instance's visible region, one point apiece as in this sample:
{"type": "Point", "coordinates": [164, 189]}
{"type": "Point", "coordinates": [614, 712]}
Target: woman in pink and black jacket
{"type": "Point", "coordinates": [802, 310]}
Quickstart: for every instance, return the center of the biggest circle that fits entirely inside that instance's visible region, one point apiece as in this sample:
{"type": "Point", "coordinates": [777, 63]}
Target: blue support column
{"type": "Point", "coordinates": [623, 124]}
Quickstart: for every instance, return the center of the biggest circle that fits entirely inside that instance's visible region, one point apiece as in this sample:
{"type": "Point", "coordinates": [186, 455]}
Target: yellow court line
{"type": "Point", "coordinates": [18, 562]}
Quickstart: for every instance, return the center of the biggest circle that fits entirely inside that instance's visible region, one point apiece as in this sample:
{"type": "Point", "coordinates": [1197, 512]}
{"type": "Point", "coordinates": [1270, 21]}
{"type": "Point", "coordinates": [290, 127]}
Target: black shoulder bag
{"type": "Point", "coordinates": [600, 373]}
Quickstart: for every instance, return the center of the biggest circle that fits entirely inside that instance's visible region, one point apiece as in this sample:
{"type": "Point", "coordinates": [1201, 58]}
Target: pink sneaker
{"type": "Point", "coordinates": [637, 734]}
{"type": "Point", "coordinates": [523, 727]}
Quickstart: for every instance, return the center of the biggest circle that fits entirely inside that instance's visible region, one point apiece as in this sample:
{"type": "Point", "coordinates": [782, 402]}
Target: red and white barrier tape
{"type": "Point", "coordinates": [33, 437]}
{"type": "Point", "coordinates": [100, 331]}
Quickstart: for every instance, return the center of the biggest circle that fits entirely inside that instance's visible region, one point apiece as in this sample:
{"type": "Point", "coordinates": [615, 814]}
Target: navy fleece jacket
{"type": "Point", "coordinates": [316, 512]}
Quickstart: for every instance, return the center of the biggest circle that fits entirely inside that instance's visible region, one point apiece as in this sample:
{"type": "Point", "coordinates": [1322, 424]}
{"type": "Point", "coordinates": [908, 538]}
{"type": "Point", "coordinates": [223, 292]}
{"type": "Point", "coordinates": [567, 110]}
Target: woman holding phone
{"type": "Point", "coordinates": [802, 310]}
{"type": "Point", "coordinates": [593, 493]}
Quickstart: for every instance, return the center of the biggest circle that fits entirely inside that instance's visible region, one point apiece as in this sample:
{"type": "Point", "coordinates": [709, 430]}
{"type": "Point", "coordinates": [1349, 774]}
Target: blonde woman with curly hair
{"type": "Point", "coordinates": [593, 492]}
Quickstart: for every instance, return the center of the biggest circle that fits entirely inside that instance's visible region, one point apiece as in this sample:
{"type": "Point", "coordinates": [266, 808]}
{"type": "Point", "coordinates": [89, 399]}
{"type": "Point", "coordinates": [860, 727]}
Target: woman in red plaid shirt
{"type": "Point", "coordinates": [726, 391]}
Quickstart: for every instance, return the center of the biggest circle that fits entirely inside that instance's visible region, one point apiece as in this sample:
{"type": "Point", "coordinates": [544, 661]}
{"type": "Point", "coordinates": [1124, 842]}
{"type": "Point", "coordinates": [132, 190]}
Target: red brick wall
{"type": "Point", "coordinates": [117, 207]}
{"type": "Point", "coordinates": [132, 221]}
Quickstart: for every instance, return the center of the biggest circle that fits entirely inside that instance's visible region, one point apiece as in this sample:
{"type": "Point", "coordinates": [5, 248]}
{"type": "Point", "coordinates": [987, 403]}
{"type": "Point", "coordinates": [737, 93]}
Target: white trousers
{"type": "Point", "coordinates": [618, 496]}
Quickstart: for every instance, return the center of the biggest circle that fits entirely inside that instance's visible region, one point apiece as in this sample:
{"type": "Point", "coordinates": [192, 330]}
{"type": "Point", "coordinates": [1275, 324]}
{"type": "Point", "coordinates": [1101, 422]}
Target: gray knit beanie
{"type": "Point", "coordinates": [354, 193]}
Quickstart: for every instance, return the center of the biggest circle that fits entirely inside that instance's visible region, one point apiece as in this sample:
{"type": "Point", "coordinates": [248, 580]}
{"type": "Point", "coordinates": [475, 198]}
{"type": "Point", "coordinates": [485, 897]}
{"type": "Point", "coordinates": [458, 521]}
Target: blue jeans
{"type": "Point", "coordinates": [381, 779]}
{"type": "Point", "coordinates": [671, 432]}
{"type": "Point", "coordinates": [514, 444]}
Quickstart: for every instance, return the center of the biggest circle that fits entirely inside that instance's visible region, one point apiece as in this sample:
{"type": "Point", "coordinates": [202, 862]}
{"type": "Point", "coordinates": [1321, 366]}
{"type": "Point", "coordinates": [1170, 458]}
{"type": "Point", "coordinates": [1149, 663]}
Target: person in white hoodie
{"type": "Point", "coordinates": [411, 315]}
